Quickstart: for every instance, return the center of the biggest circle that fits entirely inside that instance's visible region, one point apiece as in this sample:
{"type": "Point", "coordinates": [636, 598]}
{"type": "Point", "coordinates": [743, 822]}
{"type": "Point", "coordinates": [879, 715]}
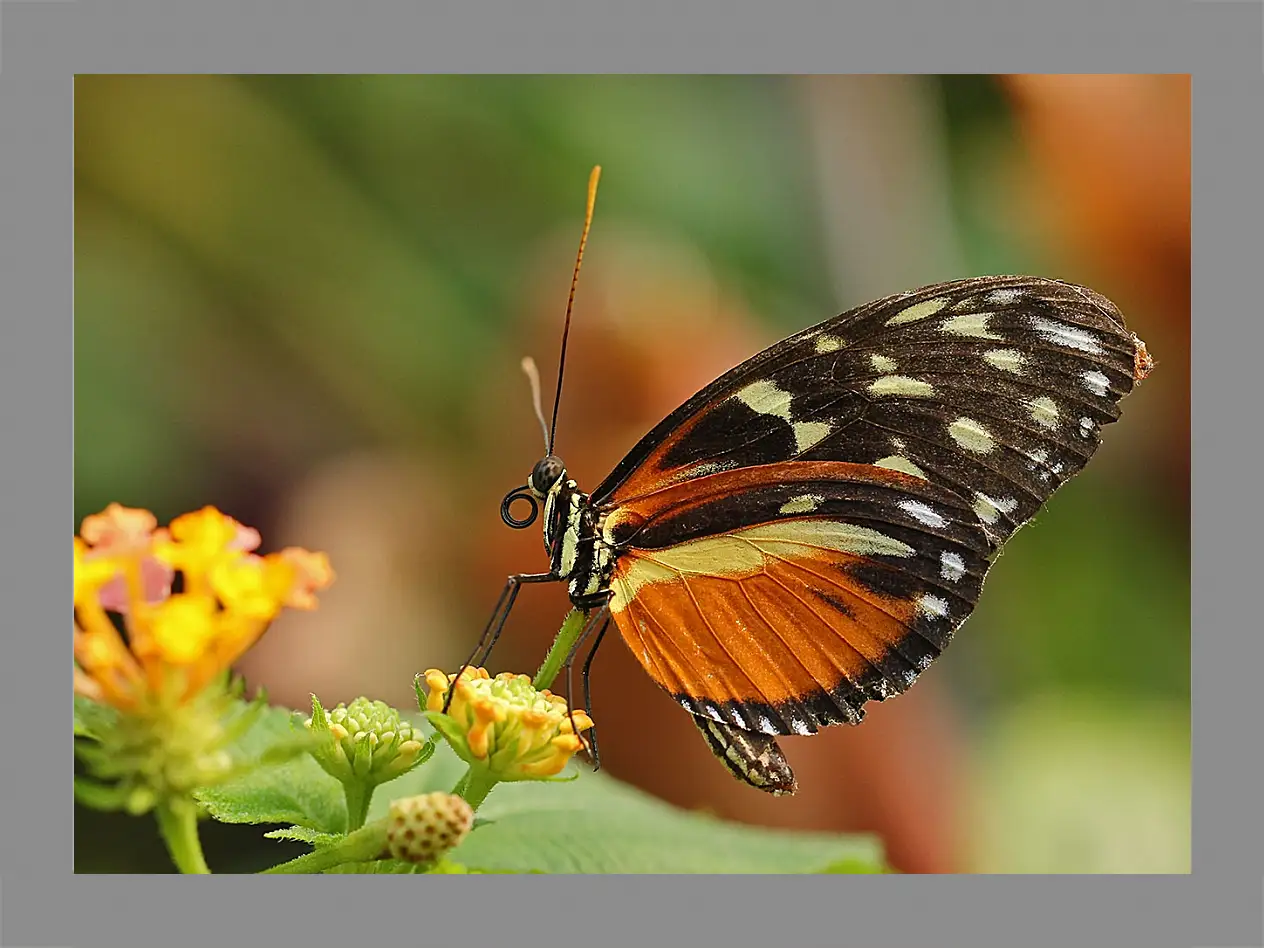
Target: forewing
{"type": "Point", "coordinates": [995, 388]}
{"type": "Point", "coordinates": [780, 598]}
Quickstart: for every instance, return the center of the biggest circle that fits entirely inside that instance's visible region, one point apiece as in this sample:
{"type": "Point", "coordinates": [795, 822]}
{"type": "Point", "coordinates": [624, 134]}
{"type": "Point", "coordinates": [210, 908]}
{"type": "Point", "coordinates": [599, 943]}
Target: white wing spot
{"type": "Point", "coordinates": [971, 435]}
{"type": "Point", "coordinates": [923, 513]}
{"type": "Point", "coordinates": [765, 398]}
{"type": "Point", "coordinates": [1004, 295]}
{"type": "Point", "coordinates": [1044, 412]}
{"type": "Point", "coordinates": [898, 462]}
{"type": "Point", "coordinates": [804, 503]}
{"type": "Point", "coordinates": [767, 726]}
{"type": "Point", "coordinates": [1007, 360]}
{"type": "Point", "coordinates": [1039, 458]}
{"type": "Point", "coordinates": [736, 716]}
{"type": "Point", "coordinates": [808, 433]}
{"type": "Point", "coordinates": [930, 605]}
{"type": "Point", "coordinates": [1087, 427]}
{"type": "Point", "coordinates": [828, 343]}
{"type": "Point", "coordinates": [901, 385]}
{"type": "Point", "coordinates": [1069, 336]}
{"type": "Point", "coordinates": [800, 726]}
{"type": "Point", "coordinates": [882, 363]}
{"type": "Point", "coordinates": [1096, 382]}
{"type": "Point", "coordinates": [918, 311]}
{"type": "Point", "coordinates": [969, 324]}
{"type": "Point", "coordinates": [990, 509]}
{"type": "Point", "coordinates": [777, 539]}
{"type": "Point", "coordinates": [951, 567]}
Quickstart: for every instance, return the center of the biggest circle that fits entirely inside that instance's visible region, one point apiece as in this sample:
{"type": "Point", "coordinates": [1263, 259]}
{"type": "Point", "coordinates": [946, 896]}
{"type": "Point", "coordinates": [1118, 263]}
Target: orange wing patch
{"type": "Point", "coordinates": [769, 627]}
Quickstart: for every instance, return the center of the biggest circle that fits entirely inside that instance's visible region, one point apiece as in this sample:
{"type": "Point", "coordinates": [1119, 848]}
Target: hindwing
{"type": "Point", "coordinates": [780, 598]}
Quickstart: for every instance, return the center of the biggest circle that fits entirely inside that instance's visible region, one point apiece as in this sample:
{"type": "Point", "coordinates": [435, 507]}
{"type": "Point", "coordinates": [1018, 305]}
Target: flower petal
{"type": "Point", "coordinates": [119, 529]}
{"type": "Point", "coordinates": [312, 572]}
{"type": "Point", "coordinates": [156, 578]}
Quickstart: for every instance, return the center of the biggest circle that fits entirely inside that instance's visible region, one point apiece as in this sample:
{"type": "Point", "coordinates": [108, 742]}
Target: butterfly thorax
{"type": "Point", "coordinates": [576, 550]}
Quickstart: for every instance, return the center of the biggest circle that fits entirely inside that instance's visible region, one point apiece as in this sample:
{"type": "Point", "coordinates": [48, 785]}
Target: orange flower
{"type": "Point", "coordinates": [175, 642]}
{"type": "Point", "coordinates": [504, 724]}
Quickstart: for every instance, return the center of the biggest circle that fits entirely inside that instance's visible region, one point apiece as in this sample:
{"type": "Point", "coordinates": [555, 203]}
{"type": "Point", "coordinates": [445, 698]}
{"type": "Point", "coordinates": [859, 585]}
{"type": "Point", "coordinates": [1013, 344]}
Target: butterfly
{"type": "Point", "coordinates": [806, 534]}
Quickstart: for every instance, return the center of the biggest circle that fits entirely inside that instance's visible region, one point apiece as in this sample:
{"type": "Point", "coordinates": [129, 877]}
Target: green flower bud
{"type": "Point", "coordinates": [364, 741]}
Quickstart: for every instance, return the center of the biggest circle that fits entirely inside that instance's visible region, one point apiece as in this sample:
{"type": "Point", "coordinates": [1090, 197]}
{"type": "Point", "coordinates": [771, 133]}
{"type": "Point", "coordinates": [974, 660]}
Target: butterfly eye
{"type": "Point", "coordinates": [546, 473]}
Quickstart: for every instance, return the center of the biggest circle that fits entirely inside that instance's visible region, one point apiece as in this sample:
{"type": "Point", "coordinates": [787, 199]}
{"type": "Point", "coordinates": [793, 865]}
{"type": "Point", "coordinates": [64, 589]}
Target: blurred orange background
{"type": "Point", "coordinates": [305, 299]}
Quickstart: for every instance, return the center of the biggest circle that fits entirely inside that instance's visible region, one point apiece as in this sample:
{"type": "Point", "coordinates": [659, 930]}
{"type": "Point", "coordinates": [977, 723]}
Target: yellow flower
{"type": "Point", "coordinates": [175, 643]}
{"type": "Point", "coordinates": [504, 724]}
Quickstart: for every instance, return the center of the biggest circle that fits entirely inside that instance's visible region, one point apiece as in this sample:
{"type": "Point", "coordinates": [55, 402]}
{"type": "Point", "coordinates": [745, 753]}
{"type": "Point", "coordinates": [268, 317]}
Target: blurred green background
{"type": "Point", "coordinates": [304, 299]}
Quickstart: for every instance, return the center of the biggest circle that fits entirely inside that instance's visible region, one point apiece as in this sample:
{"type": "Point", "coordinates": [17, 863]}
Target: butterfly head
{"type": "Point", "coordinates": [545, 479]}
{"type": "Point", "coordinates": [548, 471]}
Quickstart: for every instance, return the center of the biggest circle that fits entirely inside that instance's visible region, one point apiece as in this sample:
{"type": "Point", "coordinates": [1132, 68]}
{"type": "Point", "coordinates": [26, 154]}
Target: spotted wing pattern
{"type": "Point", "coordinates": [995, 388]}
{"type": "Point", "coordinates": [806, 533]}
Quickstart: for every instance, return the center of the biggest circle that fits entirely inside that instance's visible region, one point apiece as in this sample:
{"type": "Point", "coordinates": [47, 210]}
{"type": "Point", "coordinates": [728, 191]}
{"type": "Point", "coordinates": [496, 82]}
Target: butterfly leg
{"type": "Point", "coordinates": [588, 698]}
{"type": "Point", "coordinates": [755, 759]}
{"type": "Point", "coordinates": [492, 631]}
{"type": "Point", "coordinates": [599, 621]}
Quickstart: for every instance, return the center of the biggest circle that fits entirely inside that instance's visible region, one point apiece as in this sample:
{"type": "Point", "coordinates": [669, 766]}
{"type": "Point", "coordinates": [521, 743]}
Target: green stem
{"type": "Point", "coordinates": [572, 626]}
{"type": "Point", "coordinates": [358, 795]}
{"type": "Point", "coordinates": [475, 786]}
{"type": "Point", "coordinates": [364, 845]}
{"type": "Point", "coordinates": [178, 824]}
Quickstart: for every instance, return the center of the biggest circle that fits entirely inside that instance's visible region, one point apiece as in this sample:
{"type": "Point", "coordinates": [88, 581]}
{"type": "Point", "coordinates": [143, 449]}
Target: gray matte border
{"type": "Point", "coordinates": [44, 42]}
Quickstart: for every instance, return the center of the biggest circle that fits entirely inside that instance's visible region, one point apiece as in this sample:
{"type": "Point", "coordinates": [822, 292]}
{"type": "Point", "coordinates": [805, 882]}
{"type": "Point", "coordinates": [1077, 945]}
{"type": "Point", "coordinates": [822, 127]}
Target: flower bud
{"type": "Point", "coordinates": [421, 829]}
{"type": "Point", "coordinates": [364, 741]}
{"type": "Point", "coordinates": [504, 724]}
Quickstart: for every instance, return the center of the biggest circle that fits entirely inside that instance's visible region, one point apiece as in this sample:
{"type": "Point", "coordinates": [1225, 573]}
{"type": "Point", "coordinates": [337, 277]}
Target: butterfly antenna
{"type": "Point", "coordinates": [575, 276]}
{"type": "Point", "coordinates": [533, 379]}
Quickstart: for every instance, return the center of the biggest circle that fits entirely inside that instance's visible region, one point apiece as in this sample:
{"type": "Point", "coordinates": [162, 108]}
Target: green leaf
{"type": "Point", "coordinates": [297, 791]}
{"type": "Point", "coordinates": [303, 834]}
{"type": "Point", "coordinates": [852, 866]}
{"type": "Point", "coordinates": [92, 719]}
{"type": "Point", "coordinates": [595, 824]}
{"type": "Point", "coordinates": [319, 721]}
{"type": "Point", "coordinates": [446, 726]}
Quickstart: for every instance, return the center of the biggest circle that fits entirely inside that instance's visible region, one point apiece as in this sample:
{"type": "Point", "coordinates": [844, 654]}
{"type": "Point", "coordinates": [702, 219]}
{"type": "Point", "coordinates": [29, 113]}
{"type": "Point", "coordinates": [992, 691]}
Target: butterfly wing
{"type": "Point", "coordinates": [780, 598]}
{"type": "Point", "coordinates": [752, 757]}
{"type": "Point", "coordinates": [995, 388]}
{"type": "Point", "coordinates": [806, 533]}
